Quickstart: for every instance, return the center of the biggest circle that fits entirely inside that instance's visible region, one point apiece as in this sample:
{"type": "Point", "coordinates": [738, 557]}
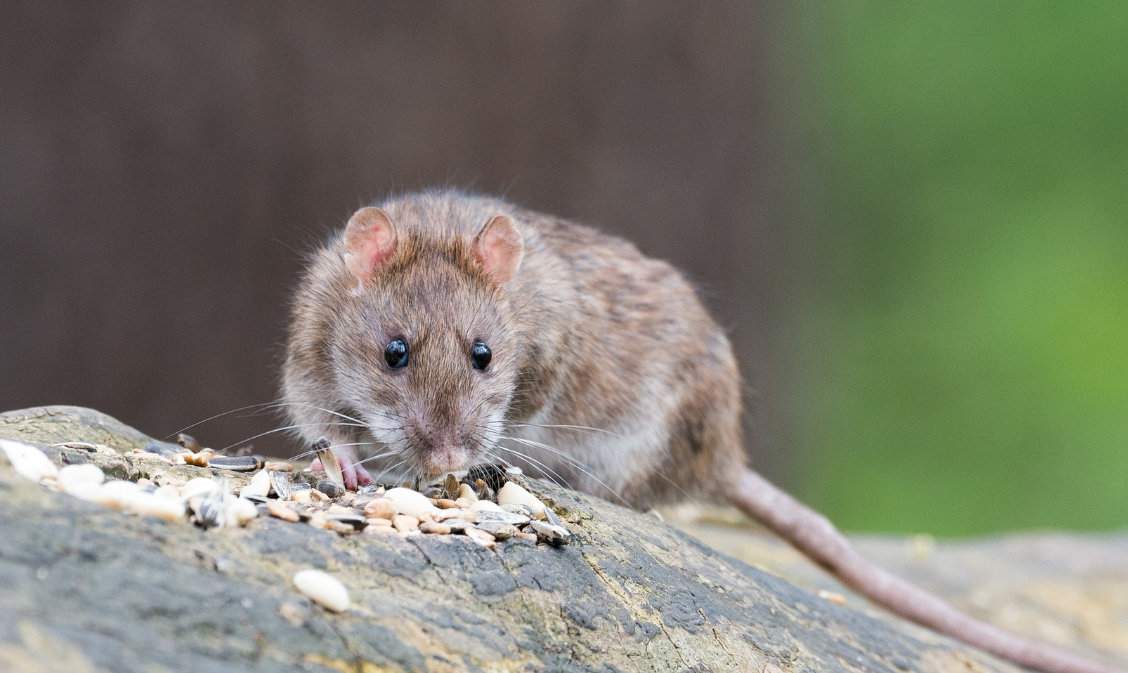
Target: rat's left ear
{"type": "Point", "coordinates": [499, 248]}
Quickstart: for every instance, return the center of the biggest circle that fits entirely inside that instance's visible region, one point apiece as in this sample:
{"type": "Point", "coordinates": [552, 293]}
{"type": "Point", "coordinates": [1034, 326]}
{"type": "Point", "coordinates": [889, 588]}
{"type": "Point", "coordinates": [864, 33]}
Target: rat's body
{"type": "Point", "coordinates": [602, 370]}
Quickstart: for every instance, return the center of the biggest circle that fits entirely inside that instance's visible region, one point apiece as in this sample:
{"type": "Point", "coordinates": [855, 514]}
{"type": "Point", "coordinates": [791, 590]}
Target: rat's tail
{"type": "Point", "coordinates": [815, 536]}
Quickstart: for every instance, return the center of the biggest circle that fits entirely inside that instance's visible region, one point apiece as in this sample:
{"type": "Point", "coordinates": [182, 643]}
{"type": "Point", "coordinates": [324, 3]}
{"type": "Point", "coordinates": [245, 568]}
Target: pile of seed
{"type": "Point", "coordinates": [485, 505]}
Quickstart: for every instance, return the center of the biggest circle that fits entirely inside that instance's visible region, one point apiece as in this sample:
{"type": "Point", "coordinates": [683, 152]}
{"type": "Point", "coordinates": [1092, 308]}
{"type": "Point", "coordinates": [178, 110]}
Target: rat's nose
{"type": "Point", "coordinates": [445, 458]}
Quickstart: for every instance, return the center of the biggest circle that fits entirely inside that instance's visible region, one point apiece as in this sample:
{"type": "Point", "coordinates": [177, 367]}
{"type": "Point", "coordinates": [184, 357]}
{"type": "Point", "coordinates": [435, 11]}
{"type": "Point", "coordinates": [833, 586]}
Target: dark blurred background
{"type": "Point", "coordinates": [912, 220]}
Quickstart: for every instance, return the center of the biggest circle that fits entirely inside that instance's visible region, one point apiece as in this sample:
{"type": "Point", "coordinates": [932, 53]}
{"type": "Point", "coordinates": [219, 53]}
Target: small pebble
{"type": "Point", "coordinates": [444, 514]}
{"type": "Point", "coordinates": [408, 501]}
{"type": "Point", "coordinates": [502, 517]}
{"type": "Point", "coordinates": [514, 494]}
{"type": "Point", "coordinates": [481, 537]}
{"type": "Point", "coordinates": [258, 485]}
{"type": "Point", "coordinates": [329, 488]}
{"type": "Point", "coordinates": [499, 529]}
{"type": "Point", "coordinates": [485, 506]}
{"type": "Point", "coordinates": [379, 530]}
{"type": "Point", "coordinates": [434, 528]}
{"type": "Point", "coordinates": [458, 525]}
{"type": "Point", "coordinates": [405, 523]}
{"type": "Point", "coordinates": [465, 492]}
{"type": "Point", "coordinates": [549, 533]}
{"type": "Point", "coordinates": [445, 503]}
{"type": "Point", "coordinates": [278, 466]}
{"type": "Point", "coordinates": [189, 442]}
{"type": "Point", "coordinates": [282, 511]}
{"type": "Point", "coordinates": [380, 508]}
{"type": "Point", "coordinates": [302, 497]}
{"type": "Point", "coordinates": [323, 589]}
{"type": "Point", "coordinates": [28, 461]}
{"type": "Point", "coordinates": [379, 521]}
{"type": "Point", "coordinates": [526, 537]}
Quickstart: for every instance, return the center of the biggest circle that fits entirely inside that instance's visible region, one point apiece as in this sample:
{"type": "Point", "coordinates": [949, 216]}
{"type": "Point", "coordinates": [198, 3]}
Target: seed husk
{"type": "Point", "coordinates": [235, 463]}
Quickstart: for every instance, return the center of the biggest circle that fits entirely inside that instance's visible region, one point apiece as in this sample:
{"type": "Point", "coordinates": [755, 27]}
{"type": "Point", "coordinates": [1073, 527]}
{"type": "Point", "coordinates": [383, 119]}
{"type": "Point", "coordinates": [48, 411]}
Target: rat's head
{"type": "Point", "coordinates": [425, 351]}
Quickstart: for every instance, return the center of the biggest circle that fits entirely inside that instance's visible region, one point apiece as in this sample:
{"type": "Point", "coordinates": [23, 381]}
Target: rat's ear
{"type": "Point", "coordinates": [499, 248]}
{"type": "Point", "coordinates": [370, 239]}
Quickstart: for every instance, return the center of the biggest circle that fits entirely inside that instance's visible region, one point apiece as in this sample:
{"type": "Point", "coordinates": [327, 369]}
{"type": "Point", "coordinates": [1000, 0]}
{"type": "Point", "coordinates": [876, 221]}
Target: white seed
{"type": "Point", "coordinates": [116, 494]}
{"type": "Point", "coordinates": [513, 494]}
{"type": "Point", "coordinates": [198, 486]}
{"type": "Point", "coordinates": [407, 501]}
{"type": "Point", "coordinates": [323, 589]}
{"type": "Point", "coordinates": [258, 485]}
{"type": "Point", "coordinates": [28, 461]}
{"type": "Point", "coordinates": [78, 480]}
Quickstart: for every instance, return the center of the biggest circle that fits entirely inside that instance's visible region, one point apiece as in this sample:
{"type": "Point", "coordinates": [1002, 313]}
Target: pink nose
{"type": "Point", "coordinates": [445, 459]}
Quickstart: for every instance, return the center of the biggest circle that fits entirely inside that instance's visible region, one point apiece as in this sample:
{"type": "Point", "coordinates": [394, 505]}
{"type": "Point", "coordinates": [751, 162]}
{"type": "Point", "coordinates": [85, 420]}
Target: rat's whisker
{"type": "Point", "coordinates": [571, 461]}
{"type": "Point", "coordinates": [284, 429]}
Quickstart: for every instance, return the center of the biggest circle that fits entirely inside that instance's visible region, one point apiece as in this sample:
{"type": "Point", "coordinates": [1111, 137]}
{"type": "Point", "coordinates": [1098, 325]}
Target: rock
{"type": "Point", "coordinates": [133, 595]}
{"type": "Point", "coordinates": [513, 493]}
{"type": "Point", "coordinates": [480, 536]}
{"type": "Point", "coordinates": [502, 517]}
{"type": "Point", "coordinates": [329, 488]}
{"type": "Point", "coordinates": [239, 511]}
{"type": "Point", "coordinates": [323, 589]}
{"type": "Point", "coordinates": [550, 533]}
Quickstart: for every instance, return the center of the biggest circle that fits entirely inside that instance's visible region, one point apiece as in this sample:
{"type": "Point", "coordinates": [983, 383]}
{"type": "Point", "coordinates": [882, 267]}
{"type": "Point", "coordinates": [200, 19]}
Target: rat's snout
{"type": "Point", "coordinates": [439, 449]}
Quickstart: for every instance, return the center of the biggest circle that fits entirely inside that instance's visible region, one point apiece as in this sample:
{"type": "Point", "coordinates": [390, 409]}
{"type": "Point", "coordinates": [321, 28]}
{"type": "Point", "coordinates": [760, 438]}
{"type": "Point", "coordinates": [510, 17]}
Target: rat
{"type": "Point", "coordinates": [442, 329]}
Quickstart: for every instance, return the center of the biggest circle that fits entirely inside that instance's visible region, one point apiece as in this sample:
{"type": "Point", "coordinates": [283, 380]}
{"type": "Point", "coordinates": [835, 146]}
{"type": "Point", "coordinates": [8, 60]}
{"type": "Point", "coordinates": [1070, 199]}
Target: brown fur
{"type": "Point", "coordinates": [589, 332]}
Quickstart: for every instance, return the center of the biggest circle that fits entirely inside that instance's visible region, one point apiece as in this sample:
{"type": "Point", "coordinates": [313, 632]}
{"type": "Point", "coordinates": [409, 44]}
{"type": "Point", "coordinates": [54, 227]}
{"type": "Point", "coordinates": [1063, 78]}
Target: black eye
{"type": "Point", "coordinates": [395, 353]}
{"type": "Point", "coordinates": [480, 355]}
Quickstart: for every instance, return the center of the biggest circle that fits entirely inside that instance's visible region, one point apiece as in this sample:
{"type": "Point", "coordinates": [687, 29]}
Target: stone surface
{"type": "Point", "coordinates": [87, 588]}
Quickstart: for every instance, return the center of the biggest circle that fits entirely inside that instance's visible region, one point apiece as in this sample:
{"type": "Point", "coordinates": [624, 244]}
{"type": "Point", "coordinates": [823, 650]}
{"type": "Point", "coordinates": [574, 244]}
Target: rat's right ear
{"type": "Point", "coordinates": [370, 239]}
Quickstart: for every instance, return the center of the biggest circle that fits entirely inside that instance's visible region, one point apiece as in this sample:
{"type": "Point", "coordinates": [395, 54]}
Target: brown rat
{"type": "Point", "coordinates": [442, 329]}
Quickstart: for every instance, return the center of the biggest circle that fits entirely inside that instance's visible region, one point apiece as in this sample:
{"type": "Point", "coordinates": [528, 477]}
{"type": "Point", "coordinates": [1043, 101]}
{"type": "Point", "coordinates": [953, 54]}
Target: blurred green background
{"type": "Point", "coordinates": [964, 358]}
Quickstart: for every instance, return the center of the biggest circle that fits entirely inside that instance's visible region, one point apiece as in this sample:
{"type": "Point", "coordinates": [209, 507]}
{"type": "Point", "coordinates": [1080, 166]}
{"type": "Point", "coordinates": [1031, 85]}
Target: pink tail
{"type": "Point", "coordinates": [815, 536]}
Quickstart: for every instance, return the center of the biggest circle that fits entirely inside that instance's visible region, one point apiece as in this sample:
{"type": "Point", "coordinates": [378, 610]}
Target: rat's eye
{"type": "Point", "coordinates": [395, 353]}
{"type": "Point", "coordinates": [480, 355]}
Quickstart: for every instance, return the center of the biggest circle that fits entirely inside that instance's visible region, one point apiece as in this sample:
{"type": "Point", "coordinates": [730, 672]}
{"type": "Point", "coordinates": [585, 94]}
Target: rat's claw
{"type": "Point", "coordinates": [348, 471]}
